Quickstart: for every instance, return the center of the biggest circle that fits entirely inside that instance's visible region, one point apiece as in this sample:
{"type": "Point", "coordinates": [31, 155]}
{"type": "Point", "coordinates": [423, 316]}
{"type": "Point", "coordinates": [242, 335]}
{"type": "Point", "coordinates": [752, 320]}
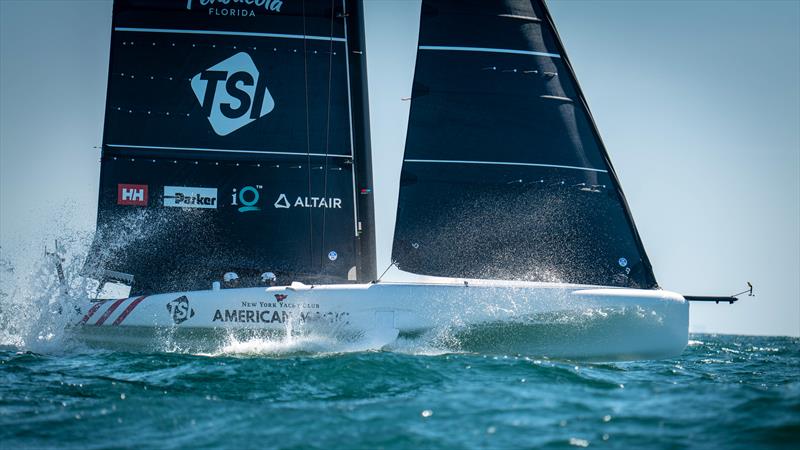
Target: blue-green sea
{"type": "Point", "coordinates": [724, 392]}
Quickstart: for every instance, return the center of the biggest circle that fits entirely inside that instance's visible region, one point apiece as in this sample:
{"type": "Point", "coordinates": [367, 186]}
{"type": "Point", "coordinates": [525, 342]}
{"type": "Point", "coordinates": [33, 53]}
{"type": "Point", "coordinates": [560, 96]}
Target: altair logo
{"type": "Point", "coordinates": [308, 202]}
{"type": "Point", "coordinates": [232, 94]}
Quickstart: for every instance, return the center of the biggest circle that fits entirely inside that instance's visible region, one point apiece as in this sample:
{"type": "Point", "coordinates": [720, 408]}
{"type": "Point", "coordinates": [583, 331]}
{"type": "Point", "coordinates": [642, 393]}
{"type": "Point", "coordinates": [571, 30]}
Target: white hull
{"type": "Point", "coordinates": [534, 319]}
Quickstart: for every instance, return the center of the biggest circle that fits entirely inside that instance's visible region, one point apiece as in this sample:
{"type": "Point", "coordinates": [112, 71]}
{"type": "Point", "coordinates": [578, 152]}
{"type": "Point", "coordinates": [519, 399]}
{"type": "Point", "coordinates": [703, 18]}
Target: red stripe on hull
{"type": "Point", "coordinates": [91, 311]}
{"type": "Point", "coordinates": [128, 310]}
{"type": "Point", "coordinates": [109, 311]}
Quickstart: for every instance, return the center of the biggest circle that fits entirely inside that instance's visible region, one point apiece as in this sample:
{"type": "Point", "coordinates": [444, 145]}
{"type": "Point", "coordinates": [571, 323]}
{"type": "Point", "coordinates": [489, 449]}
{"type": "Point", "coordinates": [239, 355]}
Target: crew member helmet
{"type": "Point", "coordinates": [230, 277]}
{"type": "Point", "coordinates": [268, 277]}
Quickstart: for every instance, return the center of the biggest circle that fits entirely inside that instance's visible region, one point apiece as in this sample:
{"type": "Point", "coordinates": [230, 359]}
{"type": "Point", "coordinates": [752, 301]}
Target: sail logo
{"type": "Point", "coordinates": [190, 197]}
{"type": "Point", "coordinates": [268, 5]}
{"type": "Point", "coordinates": [132, 194]}
{"type": "Point", "coordinates": [248, 197]}
{"type": "Point", "coordinates": [282, 202]}
{"type": "Point", "coordinates": [308, 202]}
{"type": "Point", "coordinates": [232, 94]}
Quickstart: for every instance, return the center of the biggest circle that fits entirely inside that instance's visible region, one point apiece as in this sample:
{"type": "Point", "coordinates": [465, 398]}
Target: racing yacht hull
{"type": "Point", "coordinates": [519, 318]}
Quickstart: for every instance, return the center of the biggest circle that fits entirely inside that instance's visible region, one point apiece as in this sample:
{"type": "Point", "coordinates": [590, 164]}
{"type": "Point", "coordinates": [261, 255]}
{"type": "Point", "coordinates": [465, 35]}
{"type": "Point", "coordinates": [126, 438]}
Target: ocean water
{"type": "Point", "coordinates": [723, 392]}
{"type": "Point", "coordinates": [314, 392]}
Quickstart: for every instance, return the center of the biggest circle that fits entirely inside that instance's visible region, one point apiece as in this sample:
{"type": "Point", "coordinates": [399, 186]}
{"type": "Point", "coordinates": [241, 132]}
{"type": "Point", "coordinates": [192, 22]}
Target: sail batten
{"type": "Point", "coordinates": [224, 150]}
{"type": "Point", "coordinates": [502, 163]}
{"type": "Point", "coordinates": [487, 50]}
{"type": "Point", "coordinates": [231, 33]}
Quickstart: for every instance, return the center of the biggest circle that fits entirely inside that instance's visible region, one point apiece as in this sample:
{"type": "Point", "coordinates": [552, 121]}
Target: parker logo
{"type": "Point", "coordinates": [132, 194]}
{"type": "Point", "coordinates": [241, 99]}
{"type": "Point", "coordinates": [180, 309]}
{"type": "Point", "coordinates": [190, 197]}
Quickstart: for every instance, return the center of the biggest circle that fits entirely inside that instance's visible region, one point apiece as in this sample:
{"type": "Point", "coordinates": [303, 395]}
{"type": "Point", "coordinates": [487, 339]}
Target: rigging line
{"type": "Point", "coordinates": [393, 263]}
{"type": "Point", "coordinates": [350, 130]}
{"type": "Point", "coordinates": [748, 291]}
{"type": "Point", "coordinates": [327, 137]}
{"type": "Point", "coordinates": [308, 141]}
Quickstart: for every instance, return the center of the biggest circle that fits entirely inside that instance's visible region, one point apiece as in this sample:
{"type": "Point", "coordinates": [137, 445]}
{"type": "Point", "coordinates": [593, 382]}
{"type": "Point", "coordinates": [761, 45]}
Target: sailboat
{"type": "Point", "coordinates": [236, 187]}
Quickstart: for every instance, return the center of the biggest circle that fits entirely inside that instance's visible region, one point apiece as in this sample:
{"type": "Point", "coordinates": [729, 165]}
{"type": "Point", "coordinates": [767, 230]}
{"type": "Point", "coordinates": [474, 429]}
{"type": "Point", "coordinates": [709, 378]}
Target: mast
{"type": "Point", "coordinates": [356, 41]}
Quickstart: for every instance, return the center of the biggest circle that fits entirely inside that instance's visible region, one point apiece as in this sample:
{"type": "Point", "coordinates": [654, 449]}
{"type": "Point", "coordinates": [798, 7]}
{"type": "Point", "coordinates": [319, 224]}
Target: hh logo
{"type": "Point", "coordinates": [180, 309]}
{"type": "Point", "coordinates": [132, 194]}
{"type": "Point", "coordinates": [232, 94]}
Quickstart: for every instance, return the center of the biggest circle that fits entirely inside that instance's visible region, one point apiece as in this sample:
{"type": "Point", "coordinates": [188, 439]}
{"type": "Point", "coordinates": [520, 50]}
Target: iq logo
{"type": "Point", "coordinates": [247, 197]}
{"type": "Point", "coordinates": [132, 194]}
{"type": "Point", "coordinates": [232, 94]}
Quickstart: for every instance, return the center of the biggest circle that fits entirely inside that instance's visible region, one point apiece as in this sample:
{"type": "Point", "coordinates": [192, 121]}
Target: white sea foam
{"type": "Point", "coordinates": [297, 340]}
{"type": "Point", "coordinates": [35, 308]}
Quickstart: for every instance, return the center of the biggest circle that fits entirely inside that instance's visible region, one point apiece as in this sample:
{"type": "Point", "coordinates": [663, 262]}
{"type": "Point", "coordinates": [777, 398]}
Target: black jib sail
{"type": "Point", "coordinates": [504, 174]}
{"type": "Point", "coordinates": [233, 141]}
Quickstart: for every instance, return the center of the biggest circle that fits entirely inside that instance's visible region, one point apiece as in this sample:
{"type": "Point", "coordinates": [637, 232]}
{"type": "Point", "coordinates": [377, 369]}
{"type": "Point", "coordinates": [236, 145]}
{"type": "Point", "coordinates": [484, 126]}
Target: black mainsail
{"type": "Point", "coordinates": [504, 174]}
{"type": "Point", "coordinates": [234, 141]}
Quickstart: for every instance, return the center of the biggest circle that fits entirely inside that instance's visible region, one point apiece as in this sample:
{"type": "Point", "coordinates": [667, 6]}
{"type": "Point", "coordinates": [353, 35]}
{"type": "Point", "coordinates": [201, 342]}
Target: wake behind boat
{"type": "Point", "coordinates": [240, 144]}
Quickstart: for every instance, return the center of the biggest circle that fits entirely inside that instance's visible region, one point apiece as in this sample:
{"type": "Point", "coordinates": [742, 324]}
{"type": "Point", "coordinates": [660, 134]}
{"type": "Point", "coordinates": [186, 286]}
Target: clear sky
{"type": "Point", "coordinates": [698, 104]}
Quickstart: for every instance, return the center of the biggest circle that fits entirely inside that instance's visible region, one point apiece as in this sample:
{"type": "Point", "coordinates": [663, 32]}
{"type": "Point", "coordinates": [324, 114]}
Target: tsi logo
{"type": "Point", "coordinates": [232, 94]}
{"type": "Point", "coordinates": [248, 197]}
{"type": "Point", "coordinates": [190, 197]}
{"type": "Point", "coordinates": [180, 309]}
{"type": "Point", "coordinates": [132, 194]}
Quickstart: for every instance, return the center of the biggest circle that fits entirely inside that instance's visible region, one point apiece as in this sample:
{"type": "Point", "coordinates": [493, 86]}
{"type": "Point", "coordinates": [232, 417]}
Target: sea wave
{"type": "Point", "coordinates": [271, 394]}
